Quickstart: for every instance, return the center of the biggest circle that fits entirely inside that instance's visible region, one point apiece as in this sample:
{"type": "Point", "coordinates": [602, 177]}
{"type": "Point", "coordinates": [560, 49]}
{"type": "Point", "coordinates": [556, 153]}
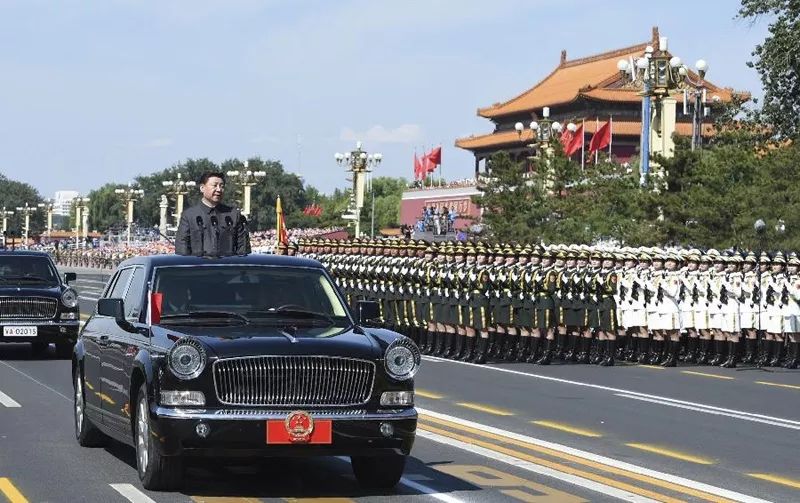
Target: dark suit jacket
{"type": "Point", "coordinates": [217, 232]}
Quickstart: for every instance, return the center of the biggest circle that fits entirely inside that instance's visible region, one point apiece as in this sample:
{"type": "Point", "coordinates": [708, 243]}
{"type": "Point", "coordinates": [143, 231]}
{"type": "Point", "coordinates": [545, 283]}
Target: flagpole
{"type": "Point", "coordinates": [596, 128]}
{"type": "Point", "coordinates": [583, 145]}
{"type": "Point", "coordinates": [610, 135]}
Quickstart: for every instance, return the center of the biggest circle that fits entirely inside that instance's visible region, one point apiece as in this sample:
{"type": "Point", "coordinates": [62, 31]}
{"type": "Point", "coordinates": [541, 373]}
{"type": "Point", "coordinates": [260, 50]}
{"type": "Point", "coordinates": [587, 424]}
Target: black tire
{"type": "Point", "coordinates": [156, 472]}
{"type": "Point", "coordinates": [86, 433]}
{"type": "Point", "coordinates": [39, 348]}
{"type": "Point", "coordinates": [378, 472]}
{"type": "Point", "coordinates": [64, 350]}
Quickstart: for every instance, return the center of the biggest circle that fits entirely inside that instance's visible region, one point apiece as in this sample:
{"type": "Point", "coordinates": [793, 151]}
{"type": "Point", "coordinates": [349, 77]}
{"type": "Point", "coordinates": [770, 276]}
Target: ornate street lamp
{"type": "Point", "coordinates": [246, 178]}
{"type": "Point", "coordinates": [48, 207]}
{"type": "Point", "coordinates": [81, 218]}
{"type": "Point", "coordinates": [129, 196]}
{"type": "Point", "coordinates": [4, 213]}
{"type": "Point", "coordinates": [27, 210]}
{"type": "Point", "coordinates": [360, 163]}
{"type": "Point", "coordinates": [178, 188]}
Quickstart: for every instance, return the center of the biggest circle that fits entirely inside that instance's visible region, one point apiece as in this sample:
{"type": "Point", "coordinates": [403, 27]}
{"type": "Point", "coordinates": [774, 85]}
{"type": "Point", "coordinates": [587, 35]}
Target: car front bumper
{"type": "Point", "coordinates": [47, 331]}
{"type": "Point", "coordinates": [242, 433]}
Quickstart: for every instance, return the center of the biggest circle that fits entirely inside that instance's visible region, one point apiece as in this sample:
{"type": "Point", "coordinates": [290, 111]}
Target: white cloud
{"type": "Point", "coordinates": [159, 143]}
{"type": "Point", "coordinates": [406, 133]}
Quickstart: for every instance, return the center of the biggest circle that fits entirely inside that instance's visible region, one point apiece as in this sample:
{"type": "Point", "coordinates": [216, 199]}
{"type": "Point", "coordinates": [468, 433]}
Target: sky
{"type": "Point", "coordinates": [95, 92]}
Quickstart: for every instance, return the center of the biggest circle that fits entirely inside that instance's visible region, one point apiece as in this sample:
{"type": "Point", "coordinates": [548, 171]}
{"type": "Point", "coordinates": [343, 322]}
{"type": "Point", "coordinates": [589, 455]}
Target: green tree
{"type": "Point", "coordinates": [777, 61]}
{"type": "Point", "coordinates": [107, 209]}
{"type": "Point", "coordinates": [15, 194]}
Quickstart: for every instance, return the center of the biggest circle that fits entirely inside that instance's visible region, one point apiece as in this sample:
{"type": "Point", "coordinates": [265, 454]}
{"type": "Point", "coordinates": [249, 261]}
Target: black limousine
{"type": "Point", "coordinates": [36, 305]}
{"type": "Point", "coordinates": [246, 356]}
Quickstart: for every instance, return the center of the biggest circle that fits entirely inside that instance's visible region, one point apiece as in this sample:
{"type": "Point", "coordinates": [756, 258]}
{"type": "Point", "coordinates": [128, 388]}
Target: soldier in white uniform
{"type": "Point", "coordinates": [791, 317]}
{"type": "Point", "coordinates": [749, 306]}
{"type": "Point", "coordinates": [640, 295]}
{"type": "Point", "coordinates": [687, 298]}
{"type": "Point", "coordinates": [654, 298]}
{"type": "Point", "coordinates": [701, 314]}
{"type": "Point", "coordinates": [732, 284]}
{"type": "Point", "coordinates": [772, 318]}
{"type": "Point", "coordinates": [669, 291]}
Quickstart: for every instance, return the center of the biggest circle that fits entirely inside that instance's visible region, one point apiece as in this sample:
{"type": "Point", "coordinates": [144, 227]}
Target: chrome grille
{"type": "Point", "coordinates": [27, 308]}
{"type": "Point", "coordinates": [293, 380]}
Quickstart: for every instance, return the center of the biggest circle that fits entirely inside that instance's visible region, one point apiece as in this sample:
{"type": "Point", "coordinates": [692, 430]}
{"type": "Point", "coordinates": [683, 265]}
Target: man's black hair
{"type": "Point", "coordinates": [211, 174]}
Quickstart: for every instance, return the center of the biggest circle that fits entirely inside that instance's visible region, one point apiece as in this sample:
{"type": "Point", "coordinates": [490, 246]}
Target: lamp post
{"type": "Point", "coordinates": [659, 73]}
{"type": "Point", "coordinates": [129, 196]}
{"type": "Point", "coordinates": [27, 210]}
{"type": "Point", "coordinates": [48, 207]}
{"type": "Point", "coordinates": [543, 132]}
{"type": "Point", "coordinates": [246, 178]}
{"type": "Point", "coordinates": [179, 188]}
{"type": "Point", "coordinates": [360, 163]}
{"type": "Point", "coordinates": [5, 214]}
{"type": "Point", "coordinates": [81, 218]}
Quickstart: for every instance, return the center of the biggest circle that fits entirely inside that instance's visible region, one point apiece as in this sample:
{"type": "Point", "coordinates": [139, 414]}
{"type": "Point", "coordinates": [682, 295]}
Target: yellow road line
{"type": "Point", "coordinates": [692, 372]}
{"type": "Point", "coordinates": [85, 316]}
{"type": "Point", "coordinates": [428, 394]}
{"type": "Point", "coordinates": [567, 428]}
{"type": "Point", "coordinates": [791, 386]}
{"type": "Point", "coordinates": [651, 367]}
{"type": "Point", "coordinates": [576, 459]}
{"type": "Point", "coordinates": [11, 493]}
{"type": "Point", "coordinates": [554, 466]}
{"type": "Point", "coordinates": [777, 479]}
{"type": "Point", "coordinates": [485, 408]}
{"type": "Point", "coordinates": [672, 454]}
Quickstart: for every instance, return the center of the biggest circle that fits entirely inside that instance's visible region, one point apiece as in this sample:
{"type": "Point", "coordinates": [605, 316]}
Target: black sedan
{"type": "Point", "coordinates": [247, 356]}
{"type": "Point", "coordinates": [36, 306]}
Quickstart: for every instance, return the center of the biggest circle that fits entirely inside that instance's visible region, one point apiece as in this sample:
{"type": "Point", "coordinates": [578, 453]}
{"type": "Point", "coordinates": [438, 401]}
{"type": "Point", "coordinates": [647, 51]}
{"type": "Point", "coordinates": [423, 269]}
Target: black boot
{"type": "Point", "coordinates": [534, 350]}
{"type": "Point", "coordinates": [644, 349]}
{"type": "Point", "coordinates": [719, 348]}
{"type": "Point", "coordinates": [426, 341]}
{"type": "Point", "coordinates": [512, 347]}
{"type": "Point", "coordinates": [523, 348]}
{"type": "Point", "coordinates": [481, 346]}
{"type": "Point", "coordinates": [609, 354]}
{"type": "Point", "coordinates": [583, 354]}
{"type": "Point", "coordinates": [655, 357]}
{"type": "Point", "coordinates": [792, 356]}
{"type": "Point", "coordinates": [459, 347]}
{"type": "Point", "coordinates": [672, 354]}
{"type": "Point", "coordinates": [620, 345]}
{"type": "Point", "coordinates": [546, 353]}
{"type": "Point", "coordinates": [441, 343]}
{"type": "Point", "coordinates": [633, 352]}
{"type": "Point", "coordinates": [703, 356]}
{"type": "Point", "coordinates": [749, 351]}
{"type": "Point", "coordinates": [494, 343]}
{"type": "Point", "coordinates": [469, 348]}
{"type": "Point", "coordinates": [598, 352]}
{"type": "Point", "coordinates": [691, 350]}
{"type": "Point", "coordinates": [765, 348]}
{"type": "Point", "coordinates": [571, 353]}
{"type": "Point", "coordinates": [777, 346]}
{"type": "Point", "coordinates": [731, 361]}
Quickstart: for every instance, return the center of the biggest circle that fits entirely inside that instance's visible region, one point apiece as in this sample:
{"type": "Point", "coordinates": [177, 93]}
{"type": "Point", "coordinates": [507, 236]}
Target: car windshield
{"type": "Point", "coordinates": [248, 294]}
{"type": "Point", "coordinates": [21, 269]}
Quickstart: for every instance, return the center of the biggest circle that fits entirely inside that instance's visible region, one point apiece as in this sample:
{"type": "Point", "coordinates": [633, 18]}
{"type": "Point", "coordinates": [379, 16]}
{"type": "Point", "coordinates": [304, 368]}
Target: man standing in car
{"type": "Point", "coordinates": [211, 228]}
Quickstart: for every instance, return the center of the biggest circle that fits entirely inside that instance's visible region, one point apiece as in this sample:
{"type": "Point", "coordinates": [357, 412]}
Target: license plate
{"type": "Point", "coordinates": [20, 331]}
{"type": "Point", "coordinates": [277, 433]}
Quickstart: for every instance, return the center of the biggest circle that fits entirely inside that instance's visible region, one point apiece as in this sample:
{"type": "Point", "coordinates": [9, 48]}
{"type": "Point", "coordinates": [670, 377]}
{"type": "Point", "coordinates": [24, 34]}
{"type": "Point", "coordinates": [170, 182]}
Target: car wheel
{"type": "Point", "coordinates": [157, 472]}
{"type": "Point", "coordinates": [39, 348]}
{"type": "Point", "coordinates": [378, 472]}
{"type": "Point", "coordinates": [64, 350]}
{"type": "Point", "coordinates": [86, 433]}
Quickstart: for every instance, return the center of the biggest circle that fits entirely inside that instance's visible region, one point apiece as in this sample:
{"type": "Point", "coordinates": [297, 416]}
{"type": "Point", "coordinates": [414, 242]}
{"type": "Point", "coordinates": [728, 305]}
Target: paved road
{"type": "Point", "coordinates": [487, 433]}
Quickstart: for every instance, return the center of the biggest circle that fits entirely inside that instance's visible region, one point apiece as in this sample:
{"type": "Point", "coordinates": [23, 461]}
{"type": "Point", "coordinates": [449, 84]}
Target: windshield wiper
{"type": "Point", "coordinates": [207, 315]}
{"type": "Point", "coordinates": [28, 277]}
{"type": "Point", "coordinates": [297, 314]}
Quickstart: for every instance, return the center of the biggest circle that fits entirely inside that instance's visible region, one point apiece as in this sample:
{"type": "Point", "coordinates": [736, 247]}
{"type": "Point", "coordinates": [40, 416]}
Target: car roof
{"type": "Point", "coordinates": [252, 259]}
{"type": "Point", "coordinates": [28, 253]}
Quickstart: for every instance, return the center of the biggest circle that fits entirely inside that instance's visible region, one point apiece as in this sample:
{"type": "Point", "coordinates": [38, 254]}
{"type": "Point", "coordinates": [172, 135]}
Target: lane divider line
{"type": "Point", "coordinates": [580, 478]}
{"type": "Point", "coordinates": [709, 410]}
{"type": "Point", "coordinates": [613, 390]}
{"type": "Point", "coordinates": [416, 486]}
{"type": "Point", "coordinates": [40, 383]}
{"type": "Point", "coordinates": [704, 374]}
{"type": "Point", "coordinates": [428, 394]}
{"type": "Point", "coordinates": [485, 408]}
{"type": "Point", "coordinates": [569, 429]}
{"type": "Point", "coordinates": [131, 493]}
{"type": "Point", "coordinates": [8, 401]}
{"type": "Point", "coordinates": [671, 453]}
{"type": "Point", "coordinates": [11, 493]}
{"type": "Point", "coordinates": [651, 367]}
{"type": "Point", "coordinates": [776, 479]}
{"type": "Point", "coordinates": [628, 469]}
{"type": "Point", "coordinates": [781, 385]}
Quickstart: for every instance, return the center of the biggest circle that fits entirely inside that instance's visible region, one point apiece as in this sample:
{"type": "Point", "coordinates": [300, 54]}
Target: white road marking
{"type": "Point", "coordinates": [674, 479]}
{"type": "Point", "coordinates": [131, 493]}
{"type": "Point", "coordinates": [777, 421]}
{"type": "Point", "coordinates": [532, 467]}
{"type": "Point", "coordinates": [8, 401]}
{"type": "Point", "coordinates": [95, 281]}
{"type": "Point", "coordinates": [86, 297]}
{"type": "Point", "coordinates": [708, 410]}
{"type": "Point", "coordinates": [40, 383]}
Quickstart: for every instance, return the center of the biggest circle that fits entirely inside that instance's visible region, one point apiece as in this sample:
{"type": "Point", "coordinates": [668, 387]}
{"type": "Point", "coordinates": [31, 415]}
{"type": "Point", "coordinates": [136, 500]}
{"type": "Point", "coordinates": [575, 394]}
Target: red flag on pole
{"type": "Point", "coordinates": [601, 138]}
{"type": "Point", "coordinates": [573, 141]}
{"type": "Point", "coordinates": [428, 166]}
{"type": "Point", "coordinates": [435, 156]}
{"type": "Point", "coordinates": [418, 175]}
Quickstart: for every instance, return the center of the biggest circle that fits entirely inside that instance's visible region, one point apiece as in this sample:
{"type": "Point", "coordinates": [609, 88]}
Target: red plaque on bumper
{"type": "Point", "coordinates": [308, 432]}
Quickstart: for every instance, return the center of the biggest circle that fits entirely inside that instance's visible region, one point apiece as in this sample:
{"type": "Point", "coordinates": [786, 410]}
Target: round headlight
{"type": "Point", "coordinates": [187, 359]}
{"type": "Point", "coordinates": [402, 359]}
{"type": "Point", "coordinates": [69, 298]}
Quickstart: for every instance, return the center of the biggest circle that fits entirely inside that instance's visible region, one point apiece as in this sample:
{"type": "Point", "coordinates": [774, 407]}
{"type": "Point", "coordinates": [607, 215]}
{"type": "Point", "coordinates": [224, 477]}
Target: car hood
{"type": "Point", "coordinates": [249, 340]}
{"type": "Point", "coordinates": [29, 290]}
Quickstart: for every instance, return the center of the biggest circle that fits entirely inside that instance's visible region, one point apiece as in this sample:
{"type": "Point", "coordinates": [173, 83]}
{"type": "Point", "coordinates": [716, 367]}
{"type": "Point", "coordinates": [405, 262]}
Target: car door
{"type": "Point", "coordinates": [120, 352]}
{"type": "Point", "coordinates": [107, 330]}
{"type": "Point", "coordinates": [94, 337]}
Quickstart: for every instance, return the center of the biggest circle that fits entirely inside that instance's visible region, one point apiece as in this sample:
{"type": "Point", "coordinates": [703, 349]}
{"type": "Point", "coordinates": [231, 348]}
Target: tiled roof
{"type": "Point", "coordinates": [512, 138]}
